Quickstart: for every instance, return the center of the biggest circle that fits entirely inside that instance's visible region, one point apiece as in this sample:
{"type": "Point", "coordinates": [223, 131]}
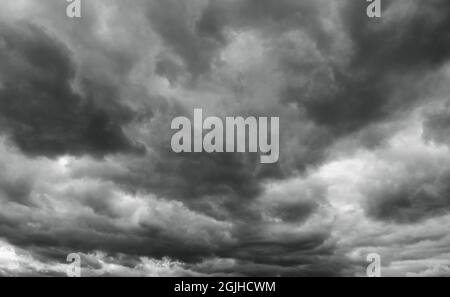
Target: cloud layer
{"type": "Point", "coordinates": [85, 158]}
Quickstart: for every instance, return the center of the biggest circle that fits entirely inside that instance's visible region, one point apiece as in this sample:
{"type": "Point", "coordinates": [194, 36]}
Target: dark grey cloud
{"type": "Point", "coordinates": [169, 68]}
{"type": "Point", "coordinates": [230, 180]}
{"type": "Point", "coordinates": [39, 108]}
{"type": "Point", "coordinates": [86, 231]}
{"type": "Point", "coordinates": [376, 81]}
{"type": "Point", "coordinates": [265, 15]}
{"type": "Point", "coordinates": [417, 198]}
{"type": "Point", "coordinates": [340, 100]}
{"type": "Point", "coordinates": [339, 95]}
{"type": "Point", "coordinates": [337, 79]}
{"type": "Point", "coordinates": [16, 189]}
{"type": "Point", "coordinates": [171, 19]}
{"type": "Point", "coordinates": [437, 126]}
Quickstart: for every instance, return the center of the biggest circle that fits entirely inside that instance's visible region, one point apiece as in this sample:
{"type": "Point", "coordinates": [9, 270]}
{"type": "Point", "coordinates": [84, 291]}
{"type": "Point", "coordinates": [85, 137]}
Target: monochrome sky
{"type": "Point", "coordinates": [85, 159]}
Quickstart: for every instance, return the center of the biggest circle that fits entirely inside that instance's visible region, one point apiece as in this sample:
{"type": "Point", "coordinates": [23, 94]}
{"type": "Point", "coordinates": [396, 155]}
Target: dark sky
{"type": "Point", "coordinates": [86, 165]}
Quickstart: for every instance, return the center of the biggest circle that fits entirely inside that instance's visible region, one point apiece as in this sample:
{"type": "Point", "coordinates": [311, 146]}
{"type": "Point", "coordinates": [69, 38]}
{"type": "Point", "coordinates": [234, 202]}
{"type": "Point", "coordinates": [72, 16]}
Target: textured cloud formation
{"type": "Point", "coordinates": [40, 110]}
{"type": "Point", "coordinates": [85, 158]}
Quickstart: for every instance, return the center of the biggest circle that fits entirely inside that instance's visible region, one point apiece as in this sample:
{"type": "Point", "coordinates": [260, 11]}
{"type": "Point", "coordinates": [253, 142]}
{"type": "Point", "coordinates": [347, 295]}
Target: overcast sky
{"type": "Point", "coordinates": [85, 159]}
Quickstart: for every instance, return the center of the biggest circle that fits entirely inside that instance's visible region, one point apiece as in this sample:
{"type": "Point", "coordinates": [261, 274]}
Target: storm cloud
{"type": "Point", "coordinates": [39, 108]}
{"type": "Point", "coordinates": [86, 165]}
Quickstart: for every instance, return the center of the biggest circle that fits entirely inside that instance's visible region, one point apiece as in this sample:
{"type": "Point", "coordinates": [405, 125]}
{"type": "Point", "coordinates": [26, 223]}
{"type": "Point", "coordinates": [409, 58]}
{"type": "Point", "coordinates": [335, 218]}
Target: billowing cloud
{"type": "Point", "coordinates": [86, 165]}
{"type": "Point", "coordinates": [39, 108]}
